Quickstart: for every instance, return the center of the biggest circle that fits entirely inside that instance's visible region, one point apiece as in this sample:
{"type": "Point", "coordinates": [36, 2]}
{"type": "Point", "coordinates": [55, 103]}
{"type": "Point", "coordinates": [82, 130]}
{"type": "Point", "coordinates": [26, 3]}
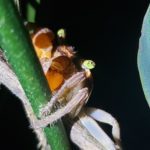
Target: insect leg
{"type": "Point", "coordinates": [96, 131]}
{"type": "Point", "coordinates": [78, 98]}
{"type": "Point", "coordinates": [70, 83]}
{"type": "Point", "coordinates": [103, 116]}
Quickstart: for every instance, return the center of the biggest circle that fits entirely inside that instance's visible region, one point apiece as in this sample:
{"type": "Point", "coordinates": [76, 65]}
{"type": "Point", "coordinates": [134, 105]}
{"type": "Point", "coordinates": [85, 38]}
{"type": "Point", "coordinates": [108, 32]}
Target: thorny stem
{"type": "Point", "coordinates": [18, 50]}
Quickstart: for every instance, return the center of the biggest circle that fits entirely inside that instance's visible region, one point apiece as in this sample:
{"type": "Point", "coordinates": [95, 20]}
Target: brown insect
{"type": "Point", "coordinates": [70, 81]}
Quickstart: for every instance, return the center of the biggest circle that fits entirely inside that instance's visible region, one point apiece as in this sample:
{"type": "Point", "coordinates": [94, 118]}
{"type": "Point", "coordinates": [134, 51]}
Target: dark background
{"type": "Point", "coordinates": [107, 32]}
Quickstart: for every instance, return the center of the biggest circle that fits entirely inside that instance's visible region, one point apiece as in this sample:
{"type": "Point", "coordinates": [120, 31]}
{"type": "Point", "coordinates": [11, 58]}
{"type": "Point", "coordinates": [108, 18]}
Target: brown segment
{"type": "Point", "coordinates": [44, 40]}
{"type": "Point", "coordinates": [55, 79]}
{"type": "Point", "coordinates": [61, 69]}
{"type": "Point", "coordinates": [60, 63]}
{"type": "Point", "coordinates": [43, 43]}
{"type": "Point", "coordinates": [64, 65]}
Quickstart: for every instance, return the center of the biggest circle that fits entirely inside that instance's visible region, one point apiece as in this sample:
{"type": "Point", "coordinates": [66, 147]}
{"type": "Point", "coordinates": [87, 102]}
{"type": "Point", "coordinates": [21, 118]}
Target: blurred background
{"type": "Point", "coordinates": [108, 33]}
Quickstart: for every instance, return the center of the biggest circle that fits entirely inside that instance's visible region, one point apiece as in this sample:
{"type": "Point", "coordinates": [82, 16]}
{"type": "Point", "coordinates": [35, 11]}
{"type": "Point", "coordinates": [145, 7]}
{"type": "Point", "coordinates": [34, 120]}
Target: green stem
{"type": "Point", "coordinates": [18, 50]}
{"type": "Point", "coordinates": [31, 11]}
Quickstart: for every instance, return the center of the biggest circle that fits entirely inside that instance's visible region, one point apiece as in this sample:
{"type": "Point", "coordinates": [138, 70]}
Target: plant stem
{"type": "Point", "coordinates": [19, 52]}
{"type": "Point", "coordinates": [31, 11]}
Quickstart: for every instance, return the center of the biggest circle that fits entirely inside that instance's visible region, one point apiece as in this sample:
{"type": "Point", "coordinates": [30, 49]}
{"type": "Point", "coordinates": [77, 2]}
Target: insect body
{"type": "Point", "coordinates": [70, 81]}
{"type": "Point", "coordinates": [61, 65]}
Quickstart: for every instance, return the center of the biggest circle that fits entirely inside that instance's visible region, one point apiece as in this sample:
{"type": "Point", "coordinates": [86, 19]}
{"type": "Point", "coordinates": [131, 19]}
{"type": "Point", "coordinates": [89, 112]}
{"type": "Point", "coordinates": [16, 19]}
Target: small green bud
{"type": "Point", "coordinates": [88, 64]}
{"type": "Point", "coordinates": [61, 33]}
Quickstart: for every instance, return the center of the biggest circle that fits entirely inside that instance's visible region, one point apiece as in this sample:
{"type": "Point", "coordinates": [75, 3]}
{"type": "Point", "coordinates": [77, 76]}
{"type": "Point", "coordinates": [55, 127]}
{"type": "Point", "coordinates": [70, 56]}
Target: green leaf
{"type": "Point", "coordinates": [144, 56]}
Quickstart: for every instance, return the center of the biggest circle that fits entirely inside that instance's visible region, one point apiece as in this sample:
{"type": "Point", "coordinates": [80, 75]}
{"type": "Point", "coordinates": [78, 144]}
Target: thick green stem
{"type": "Point", "coordinates": [18, 50]}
